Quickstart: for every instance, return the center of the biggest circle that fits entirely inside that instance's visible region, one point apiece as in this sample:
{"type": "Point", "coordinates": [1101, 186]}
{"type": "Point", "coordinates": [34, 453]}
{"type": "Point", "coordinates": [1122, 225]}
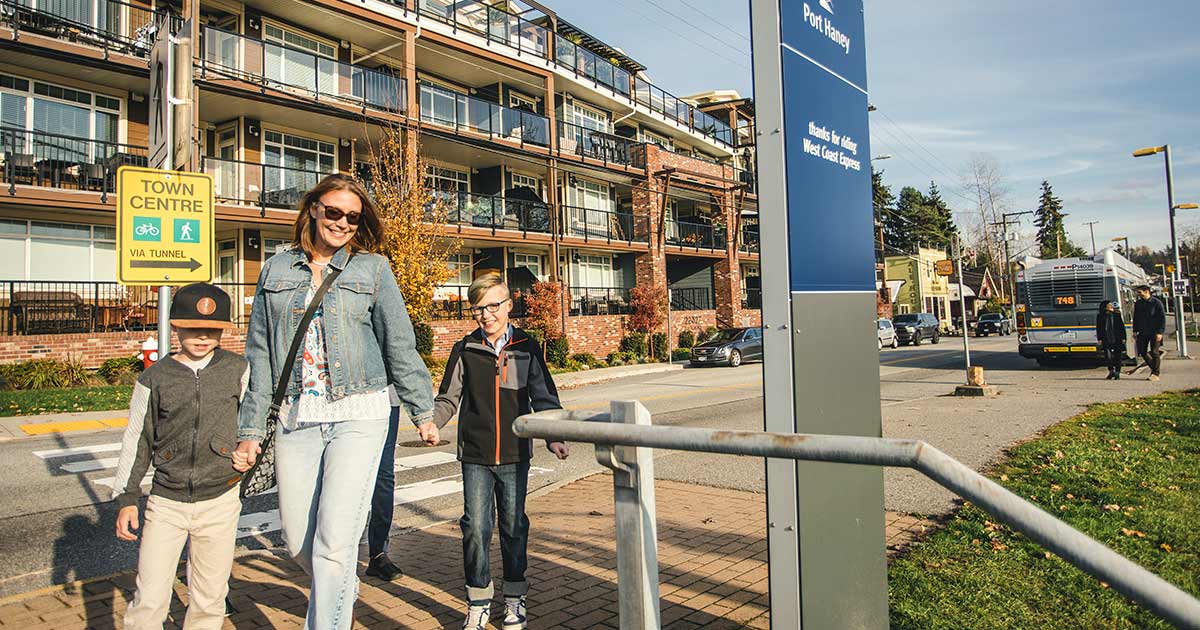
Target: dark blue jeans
{"type": "Point", "coordinates": [488, 491]}
{"type": "Point", "coordinates": [382, 500]}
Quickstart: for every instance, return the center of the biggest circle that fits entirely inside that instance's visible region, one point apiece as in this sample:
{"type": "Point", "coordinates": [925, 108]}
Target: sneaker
{"type": "Point", "coordinates": [477, 616]}
{"type": "Point", "coordinates": [1154, 377]}
{"type": "Point", "coordinates": [514, 613]}
{"type": "Point", "coordinates": [383, 568]}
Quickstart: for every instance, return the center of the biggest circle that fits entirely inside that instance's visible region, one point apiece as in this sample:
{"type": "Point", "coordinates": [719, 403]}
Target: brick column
{"type": "Point", "coordinates": [727, 274]}
{"type": "Point", "coordinates": [650, 268]}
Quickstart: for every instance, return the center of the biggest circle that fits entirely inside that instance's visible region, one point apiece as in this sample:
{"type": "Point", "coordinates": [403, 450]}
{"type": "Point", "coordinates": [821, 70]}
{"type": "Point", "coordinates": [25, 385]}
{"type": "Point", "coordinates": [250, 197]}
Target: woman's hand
{"type": "Point", "coordinates": [127, 523]}
{"type": "Point", "coordinates": [245, 455]}
{"type": "Point", "coordinates": [429, 433]}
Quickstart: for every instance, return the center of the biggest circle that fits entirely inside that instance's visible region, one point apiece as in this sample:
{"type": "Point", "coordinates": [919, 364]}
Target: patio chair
{"type": "Point", "coordinates": [19, 167]}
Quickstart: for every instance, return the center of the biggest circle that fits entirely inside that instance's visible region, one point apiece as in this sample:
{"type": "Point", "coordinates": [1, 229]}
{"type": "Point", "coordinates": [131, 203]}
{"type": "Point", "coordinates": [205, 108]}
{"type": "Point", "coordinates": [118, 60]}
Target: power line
{"type": "Point", "coordinates": [905, 132]}
{"type": "Point", "coordinates": [908, 155]}
{"type": "Point", "coordinates": [716, 21]}
{"type": "Point", "coordinates": [682, 36]}
{"type": "Point", "coordinates": [715, 37]}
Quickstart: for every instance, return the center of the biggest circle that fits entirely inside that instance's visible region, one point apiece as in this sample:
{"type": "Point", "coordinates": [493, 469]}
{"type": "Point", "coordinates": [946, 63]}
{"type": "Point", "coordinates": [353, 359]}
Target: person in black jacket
{"type": "Point", "coordinates": [494, 375]}
{"type": "Point", "coordinates": [1149, 322]}
{"type": "Point", "coordinates": [1110, 332]}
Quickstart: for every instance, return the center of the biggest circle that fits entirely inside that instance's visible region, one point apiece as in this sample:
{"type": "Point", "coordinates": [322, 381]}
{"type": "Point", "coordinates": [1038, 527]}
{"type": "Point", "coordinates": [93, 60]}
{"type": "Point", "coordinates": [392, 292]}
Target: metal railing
{"type": "Point", "coordinates": [495, 212]}
{"type": "Point", "coordinates": [696, 235]}
{"type": "Point", "coordinates": [488, 21]}
{"type": "Point", "coordinates": [605, 225]}
{"type": "Point", "coordinates": [52, 160]}
{"type": "Point", "coordinates": [453, 109]}
{"type": "Point", "coordinates": [749, 242]}
{"type": "Point", "coordinates": [597, 145]}
{"type": "Point", "coordinates": [751, 298]}
{"type": "Point", "coordinates": [624, 439]}
{"type": "Point", "coordinates": [600, 301]}
{"type": "Point", "coordinates": [281, 67]}
{"type": "Point", "coordinates": [670, 106]}
{"type": "Point", "coordinates": [42, 307]}
{"type": "Point", "coordinates": [263, 185]}
{"type": "Point", "coordinates": [692, 299]}
{"type": "Point", "coordinates": [450, 302]}
{"type": "Point", "coordinates": [108, 24]}
{"type": "Point", "coordinates": [585, 63]}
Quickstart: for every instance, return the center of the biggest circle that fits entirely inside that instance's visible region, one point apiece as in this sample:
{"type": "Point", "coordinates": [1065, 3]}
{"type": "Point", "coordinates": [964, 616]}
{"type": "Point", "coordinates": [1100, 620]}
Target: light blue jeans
{"type": "Point", "coordinates": [326, 474]}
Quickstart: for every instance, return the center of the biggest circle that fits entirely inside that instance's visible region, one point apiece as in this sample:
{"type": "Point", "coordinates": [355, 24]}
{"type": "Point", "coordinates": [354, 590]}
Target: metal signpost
{"type": "Point", "coordinates": [825, 529]}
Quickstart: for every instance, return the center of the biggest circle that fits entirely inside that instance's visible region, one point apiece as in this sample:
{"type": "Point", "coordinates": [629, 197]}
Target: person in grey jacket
{"type": "Point", "coordinates": [334, 418]}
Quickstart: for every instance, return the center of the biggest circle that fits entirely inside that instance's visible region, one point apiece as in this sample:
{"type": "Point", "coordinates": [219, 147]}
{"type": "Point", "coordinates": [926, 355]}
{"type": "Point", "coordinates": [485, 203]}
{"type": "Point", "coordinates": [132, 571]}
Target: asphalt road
{"type": "Point", "coordinates": [56, 523]}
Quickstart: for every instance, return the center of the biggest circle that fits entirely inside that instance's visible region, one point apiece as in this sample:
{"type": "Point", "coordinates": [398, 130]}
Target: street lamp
{"type": "Point", "coordinates": [1092, 229]}
{"type": "Point", "coordinates": [1126, 239]}
{"type": "Point", "coordinates": [1180, 335]}
{"type": "Point", "coordinates": [885, 156]}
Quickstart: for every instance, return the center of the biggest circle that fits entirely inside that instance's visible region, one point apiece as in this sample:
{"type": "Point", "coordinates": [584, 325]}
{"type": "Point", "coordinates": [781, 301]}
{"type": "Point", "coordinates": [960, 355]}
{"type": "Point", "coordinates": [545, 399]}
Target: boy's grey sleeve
{"type": "Point", "coordinates": [136, 448]}
{"type": "Point", "coordinates": [449, 396]}
{"type": "Point", "coordinates": [543, 394]}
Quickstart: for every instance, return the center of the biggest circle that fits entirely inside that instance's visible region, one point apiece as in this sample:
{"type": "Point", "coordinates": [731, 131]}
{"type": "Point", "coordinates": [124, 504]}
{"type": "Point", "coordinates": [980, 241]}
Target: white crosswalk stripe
{"type": "Point", "coordinates": [111, 447]}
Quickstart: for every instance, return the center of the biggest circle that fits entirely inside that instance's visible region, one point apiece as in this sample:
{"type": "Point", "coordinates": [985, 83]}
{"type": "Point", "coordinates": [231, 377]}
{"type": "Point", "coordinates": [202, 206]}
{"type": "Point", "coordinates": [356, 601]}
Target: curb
{"type": "Point", "coordinates": [571, 380]}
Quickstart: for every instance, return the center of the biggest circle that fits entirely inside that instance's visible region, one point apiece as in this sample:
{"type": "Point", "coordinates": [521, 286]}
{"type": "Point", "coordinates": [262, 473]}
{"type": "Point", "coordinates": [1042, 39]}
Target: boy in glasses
{"type": "Point", "coordinates": [494, 375]}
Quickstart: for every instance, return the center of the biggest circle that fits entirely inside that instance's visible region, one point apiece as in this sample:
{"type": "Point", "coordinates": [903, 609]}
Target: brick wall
{"type": "Point", "coordinates": [91, 348]}
{"type": "Point", "coordinates": [598, 334]}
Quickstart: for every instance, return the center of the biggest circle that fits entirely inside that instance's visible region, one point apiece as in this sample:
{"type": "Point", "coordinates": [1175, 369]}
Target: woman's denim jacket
{"type": "Point", "coordinates": [369, 339]}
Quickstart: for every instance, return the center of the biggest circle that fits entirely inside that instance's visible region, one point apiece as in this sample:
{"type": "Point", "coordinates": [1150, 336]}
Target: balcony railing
{"type": "Point", "coordinates": [749, 242]}
{"type": "Point", "coordinates": [708, 125]}
{"type": "Point", "coordinates": [751, 298]}
{"type": "Point", "coordinates": [662, 102]}
{"type": "Point", "coordinates": [262, 185]}
{"type": "Point", "coordinates": [586, 63]}
{"type": "Point", "coordinates": [692, 299]}
{"type": "Point", "coordinates": [600, 301]}
{"type": "Point", "coordinates": [109, 24]}
{"type": "Point", "coordinates": [597, 145]}
{"type": "Point", "coordinates": [697, 235]}
{"type": "Point", "coordinates": [450, 302]}
{"type": "Point", "coordinates": [293, 70]}
{"type": "Point", "coordinates": [605, 225]}
{"type": "Point", "coordinates": [40, 307]}
{"type": "Point", "coordinates": [53, 160]}
{"type": "Point", "coordinates": [451, 109]}
{"type": "Point", "coordinates": [495, 213]}
{"type": "Point", "coordinates": [488, 21]}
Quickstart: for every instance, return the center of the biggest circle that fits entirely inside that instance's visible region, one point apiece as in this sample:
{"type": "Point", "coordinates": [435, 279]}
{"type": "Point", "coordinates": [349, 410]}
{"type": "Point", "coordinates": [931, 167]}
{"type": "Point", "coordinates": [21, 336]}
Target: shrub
{"type": "Point", "coordinates": [537, 336]}
{"type": "Point", "coordinates": [634, 344]}
{"type": "Point", "coordinates": [571, 365]}
{"type": "Point", "coordinates": [649, 303]}
{"type": "Point", "coordinates": [687, 339]}
{"type": "Point", "coordinates": [621, 358]}
{"type": "Point", "coordinates": [658, 346]}
{"type": "Point", "coordinates": [681, 354]}
{"type": "Point", "coordinates": [424, 338]}
{"type": "Point", "coordinates": [117, 370]}
{"type": "Point", "coordinates": [557, 350]}
{"type": "Point", "coordinates": [44, 374]}
{"type": "Point", "coordinates": [436, 367]}
{"type": "Point", "coordinates": [543, 309]}
{"type": "Point", "coordinates": [586, 358]}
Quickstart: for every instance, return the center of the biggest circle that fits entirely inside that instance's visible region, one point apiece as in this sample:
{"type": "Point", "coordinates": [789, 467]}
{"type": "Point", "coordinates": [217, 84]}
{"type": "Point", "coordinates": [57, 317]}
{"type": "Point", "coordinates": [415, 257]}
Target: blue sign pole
{"type": "Point", "coordinates": [825, 525]}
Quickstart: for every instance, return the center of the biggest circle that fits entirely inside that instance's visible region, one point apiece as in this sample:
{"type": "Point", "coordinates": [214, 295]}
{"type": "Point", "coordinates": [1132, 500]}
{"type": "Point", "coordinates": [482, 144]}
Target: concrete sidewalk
{"type": "Point", "coordinates": [712, 562]}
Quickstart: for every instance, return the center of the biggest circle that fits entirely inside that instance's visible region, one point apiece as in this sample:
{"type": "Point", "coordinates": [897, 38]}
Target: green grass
{"type": "Point", "coordinates": [31, 402]}
{"type": "Point", "coordinates": [1126, 474]}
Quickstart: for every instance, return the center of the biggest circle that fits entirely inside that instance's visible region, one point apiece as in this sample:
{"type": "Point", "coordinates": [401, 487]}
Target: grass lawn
{"type": "Point", "coordinates": [36, 401]}
{"type": "Point", "coordinates": [1126, 474]}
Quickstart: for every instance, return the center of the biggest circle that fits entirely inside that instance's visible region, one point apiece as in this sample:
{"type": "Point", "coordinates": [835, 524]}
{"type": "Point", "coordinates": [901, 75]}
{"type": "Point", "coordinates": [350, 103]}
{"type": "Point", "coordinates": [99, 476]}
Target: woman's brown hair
{"type": "Point", "coordinates": [369, 235]}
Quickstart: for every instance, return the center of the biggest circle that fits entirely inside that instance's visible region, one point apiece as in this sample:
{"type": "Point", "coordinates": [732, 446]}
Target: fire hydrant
{"type": "Point", "coordinates": [149, 352]}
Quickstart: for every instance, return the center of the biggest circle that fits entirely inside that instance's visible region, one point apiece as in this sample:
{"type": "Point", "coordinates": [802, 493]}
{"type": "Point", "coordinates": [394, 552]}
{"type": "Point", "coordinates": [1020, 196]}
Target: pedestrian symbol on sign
{"type": "Point", "coordinates": [187, 231]}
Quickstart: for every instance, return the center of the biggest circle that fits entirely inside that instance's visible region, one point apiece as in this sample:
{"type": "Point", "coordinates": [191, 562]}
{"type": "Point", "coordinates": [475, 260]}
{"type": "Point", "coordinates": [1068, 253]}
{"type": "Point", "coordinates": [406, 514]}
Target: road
{"type": "Point", "coordinates": [56, 523]}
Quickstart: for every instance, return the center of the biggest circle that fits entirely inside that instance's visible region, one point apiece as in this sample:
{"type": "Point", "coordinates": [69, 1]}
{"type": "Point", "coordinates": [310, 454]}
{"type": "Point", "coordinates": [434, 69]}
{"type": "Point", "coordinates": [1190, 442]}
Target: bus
{"type": "Point", "coordinates": [1057, 303]}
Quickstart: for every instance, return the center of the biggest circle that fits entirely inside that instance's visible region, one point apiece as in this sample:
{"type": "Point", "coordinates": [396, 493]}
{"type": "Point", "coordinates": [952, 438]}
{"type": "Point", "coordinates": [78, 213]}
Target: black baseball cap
{"type": "Point", "coordinates": [201, 305]}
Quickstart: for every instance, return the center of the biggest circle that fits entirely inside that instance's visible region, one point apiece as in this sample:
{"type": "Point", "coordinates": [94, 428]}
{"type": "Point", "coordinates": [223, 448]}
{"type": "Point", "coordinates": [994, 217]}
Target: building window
{"type": "Point", "coordinates": [443, 179]}
{"type": "Point", "coordinates": [299, 164]}
{"type": "Point", "coordinates": [594, 271]}
{"type": "Point", "coordinates": [654, 138]}
{"type": "Point", "coordinates": [461, 275]}
{"type": "Point", "coordinates": [442, 106]}
{"type": "Point", "coordinates": [46, 108]}
{"type": "Point", "coordinates": [588, 118]}
{"type": "Point", "coordinates": [272, 246]}
{"type": "Point", "coordinates": [522, 102]}
{"type": "Point", "coordinates": [41, 250]}
{"type": "Point", "coordinates": [297, 60]}
{"type": "Point", "coordinates": [527, 181]}
{"type": "Point", "coordinates": [532, 262]}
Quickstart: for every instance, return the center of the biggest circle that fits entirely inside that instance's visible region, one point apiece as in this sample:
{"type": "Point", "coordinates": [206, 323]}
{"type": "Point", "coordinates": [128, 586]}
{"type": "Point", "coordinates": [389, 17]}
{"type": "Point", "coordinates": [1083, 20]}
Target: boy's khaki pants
{"type": "Point", "coordinates": [210, 528]}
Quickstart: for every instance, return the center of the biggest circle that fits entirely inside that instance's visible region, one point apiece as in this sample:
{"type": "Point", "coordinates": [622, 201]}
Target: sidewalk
{"type": "Point", "coordinates": [712, 561]}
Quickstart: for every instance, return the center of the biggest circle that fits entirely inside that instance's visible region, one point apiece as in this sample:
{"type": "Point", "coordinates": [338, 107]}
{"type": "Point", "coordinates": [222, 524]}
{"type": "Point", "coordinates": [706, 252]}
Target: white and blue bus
{"type": "Point", "coordinates": [1057, 303]}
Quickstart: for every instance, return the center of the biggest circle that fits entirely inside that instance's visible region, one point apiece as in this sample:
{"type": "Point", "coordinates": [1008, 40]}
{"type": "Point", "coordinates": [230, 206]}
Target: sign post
{"type": "Point", "coordinates": [825, 527]}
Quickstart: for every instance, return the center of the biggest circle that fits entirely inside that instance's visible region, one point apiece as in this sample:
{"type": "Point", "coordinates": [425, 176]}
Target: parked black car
{"type": "Point", "coordinates": [993, 323]}
{"type": "Point", "coordinates": [729, 347]}
{"type": "Point", "coordinates": [913, 328]}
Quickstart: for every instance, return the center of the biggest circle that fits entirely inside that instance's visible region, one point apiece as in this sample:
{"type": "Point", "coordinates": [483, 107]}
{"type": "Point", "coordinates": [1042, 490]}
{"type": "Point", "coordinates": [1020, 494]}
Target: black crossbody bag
{"type": "Point", "coordinates": [261, 476]}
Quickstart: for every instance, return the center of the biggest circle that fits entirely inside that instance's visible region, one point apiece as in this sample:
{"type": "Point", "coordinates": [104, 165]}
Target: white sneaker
{"type": "Point", "coordinates": [514, 613]}
{"type": "Point", "coordinates": [477, 616]}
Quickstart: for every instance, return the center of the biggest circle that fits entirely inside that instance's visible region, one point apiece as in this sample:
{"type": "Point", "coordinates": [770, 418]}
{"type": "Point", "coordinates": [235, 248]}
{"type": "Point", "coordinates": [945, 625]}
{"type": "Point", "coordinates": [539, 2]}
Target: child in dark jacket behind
{"type": "Point", "coordinates": [494, 375]}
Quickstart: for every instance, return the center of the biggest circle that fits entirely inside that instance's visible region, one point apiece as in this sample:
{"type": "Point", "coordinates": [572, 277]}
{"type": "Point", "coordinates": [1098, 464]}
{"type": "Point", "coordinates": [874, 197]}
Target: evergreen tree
{"type": "Point", "coordinates": [884, 203]}
{"type": "Point", "coordinates": [909, 221]}
{"type": "Point", "coordinates": [939, 217]}
{"type": "Point", "coordinates": [1052, 235]}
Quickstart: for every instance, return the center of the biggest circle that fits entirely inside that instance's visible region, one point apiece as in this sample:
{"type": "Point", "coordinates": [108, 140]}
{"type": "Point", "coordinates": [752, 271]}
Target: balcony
{"type": "Point", "coordinates": [671, 107]}
{"type": "Point", "coordinates": [685, 233]}
{"type": "Point", "coordinates": [597, 145]}
{"type": "Point", "coordinates": [51, 160]}
{"type": "Point", "coordinates": [237, 182]}
{"type": "Point", "coordinates": [275, 66]}
{"type": "Point", "coordinates": [600, 301]}
{"type": "Point", "coordinates": [114, 26]}
{"type": "Point", "coordinates": [692, 299]}
{"type": "Point", "coordinates": [585, 63]}
{"type": "Point", "coordinates": [752, 298]}
{"type": "Point", "coordinates": [495, 213]}
{"type": "Point", "coordinates": [487, 21]}
{"type": "Point", "coordinates": [749, 242]}
{"type": "Point", "coordinates": [447, 108]}
{"type": "Point", "coordinates": [450, 302]}
{"type": "Point", "coordinates": [604, 225]}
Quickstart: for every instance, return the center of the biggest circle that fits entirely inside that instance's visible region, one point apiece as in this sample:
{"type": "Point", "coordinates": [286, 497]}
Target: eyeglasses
{"type": "Point", "coordinates": [494, 307]}
{"type": "Point", "coordinates": [335, 214]}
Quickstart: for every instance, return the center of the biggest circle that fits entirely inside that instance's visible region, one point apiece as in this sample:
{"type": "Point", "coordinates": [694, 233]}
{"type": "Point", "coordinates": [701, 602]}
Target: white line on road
{"type": "Point", "coordinates": [90, 465]}
{"type": "Point", "coordinates": [79, 450]}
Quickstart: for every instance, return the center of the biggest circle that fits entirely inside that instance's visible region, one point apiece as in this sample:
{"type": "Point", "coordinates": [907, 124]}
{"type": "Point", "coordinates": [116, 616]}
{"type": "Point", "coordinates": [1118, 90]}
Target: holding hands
{"type": "Point", "coordinates": [245, 455]}
{"type": "Point", "coordinates": [429, 433]}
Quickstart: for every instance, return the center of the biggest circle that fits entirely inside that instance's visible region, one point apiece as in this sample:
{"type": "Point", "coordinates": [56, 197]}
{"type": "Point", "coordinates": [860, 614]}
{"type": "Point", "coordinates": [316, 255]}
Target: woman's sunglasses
{"type": "Point", "coordinates": [335, 214]}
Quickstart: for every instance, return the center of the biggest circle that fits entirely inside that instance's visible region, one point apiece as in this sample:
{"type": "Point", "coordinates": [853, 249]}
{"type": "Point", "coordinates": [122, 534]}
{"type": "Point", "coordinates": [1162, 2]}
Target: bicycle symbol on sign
{"type": "Point", "coordinates": [146, 229]}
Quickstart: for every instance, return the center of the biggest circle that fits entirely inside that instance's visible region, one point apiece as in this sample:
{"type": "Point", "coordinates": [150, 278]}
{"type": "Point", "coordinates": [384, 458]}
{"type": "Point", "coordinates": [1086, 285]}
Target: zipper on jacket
{"type": "Point", "coordinates": [195, 437]}
{"type": "Point", "coordinates": [500, 375]}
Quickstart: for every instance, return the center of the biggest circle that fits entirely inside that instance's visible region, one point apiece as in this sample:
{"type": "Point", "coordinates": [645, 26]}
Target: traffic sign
{"type": "Point", "coordinates": [164, 227]}
{"type": "Point", "coordinates": [1181, 287]}
{"type": "Point", "coordinates": [945, 267]}
{"type": "Point", "coordinates": [161, 67]}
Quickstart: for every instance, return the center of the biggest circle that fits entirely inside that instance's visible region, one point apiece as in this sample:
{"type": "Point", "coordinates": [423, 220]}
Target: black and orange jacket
{"type": "Point", "coordinates": [489, 391]}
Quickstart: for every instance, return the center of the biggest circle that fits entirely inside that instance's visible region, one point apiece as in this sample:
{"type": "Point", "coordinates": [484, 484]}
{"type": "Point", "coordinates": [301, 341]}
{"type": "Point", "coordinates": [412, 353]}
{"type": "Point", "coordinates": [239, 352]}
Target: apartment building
{"type": "Point", "coordinates": [558, 157]}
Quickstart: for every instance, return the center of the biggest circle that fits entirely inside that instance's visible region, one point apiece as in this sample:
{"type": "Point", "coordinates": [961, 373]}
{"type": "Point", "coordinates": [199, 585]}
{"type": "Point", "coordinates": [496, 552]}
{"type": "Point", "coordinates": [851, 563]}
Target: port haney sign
{"type": "Point", "coordinates": [164, 227]}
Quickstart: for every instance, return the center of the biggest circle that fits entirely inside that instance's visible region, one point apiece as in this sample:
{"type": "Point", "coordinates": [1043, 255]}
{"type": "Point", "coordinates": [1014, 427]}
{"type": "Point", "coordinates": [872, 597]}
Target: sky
{"type": "Point", "coordinates": [1062, 91]}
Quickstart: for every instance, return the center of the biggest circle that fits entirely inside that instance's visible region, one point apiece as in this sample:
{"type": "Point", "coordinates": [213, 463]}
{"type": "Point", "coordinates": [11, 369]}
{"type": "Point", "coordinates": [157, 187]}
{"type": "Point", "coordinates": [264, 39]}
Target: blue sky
{"type": "Point", "coordinates": [1062, 90]}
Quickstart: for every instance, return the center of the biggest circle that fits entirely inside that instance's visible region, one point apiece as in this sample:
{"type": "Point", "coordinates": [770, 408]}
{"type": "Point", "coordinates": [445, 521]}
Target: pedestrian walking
{"type": "Point", "coordinates": [379, 525]}
{"type": "Point", "coordinates": [183, 416]}
{"type": "Point", "coordinates": [494, 375]}
{"type": "Point", "coordinates": [1149, 322]}
{"type": "Point", "coordinates": [332, 302]}
{"type": "Point", "coordinates": [1110, 332]}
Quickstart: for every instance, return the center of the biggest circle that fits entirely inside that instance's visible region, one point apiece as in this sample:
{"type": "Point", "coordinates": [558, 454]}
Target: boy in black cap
{"type": "Point", "coordinates": [183, 417]}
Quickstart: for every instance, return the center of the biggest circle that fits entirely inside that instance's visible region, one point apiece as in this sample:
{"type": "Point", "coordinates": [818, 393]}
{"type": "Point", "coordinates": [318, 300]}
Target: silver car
{"type": "Point", "coordinates": [886, 333]}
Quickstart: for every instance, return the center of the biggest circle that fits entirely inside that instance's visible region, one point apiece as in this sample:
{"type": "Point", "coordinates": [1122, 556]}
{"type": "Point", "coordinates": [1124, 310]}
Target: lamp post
{"type": "Point", "coordinates": [1092, 229]}
{"type": "Point", "coordinates": [1180, 336]}
{"type": "Point", "coordinates": [1126, 239]}
{"type": "Point", "coordinates": [1190, 291]}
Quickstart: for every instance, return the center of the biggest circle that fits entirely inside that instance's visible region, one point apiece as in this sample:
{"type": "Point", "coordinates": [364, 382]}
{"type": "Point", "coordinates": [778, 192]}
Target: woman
{"type": "Point", "coordinates": [1110, 332]}
{"type": "Point", "coordinates": [334, 418]}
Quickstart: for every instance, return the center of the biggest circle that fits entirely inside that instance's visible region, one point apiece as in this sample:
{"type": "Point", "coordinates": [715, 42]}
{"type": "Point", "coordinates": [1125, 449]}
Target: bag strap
{"type": "Point", "coordinates": [298, 339]}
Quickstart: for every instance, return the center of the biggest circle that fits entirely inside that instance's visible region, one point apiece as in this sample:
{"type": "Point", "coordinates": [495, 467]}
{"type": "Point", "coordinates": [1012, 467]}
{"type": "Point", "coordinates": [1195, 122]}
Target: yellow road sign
{"type": "Point", "coordinates": [945, 267]}
{"type": "Point", "coordinates": [164, 227]}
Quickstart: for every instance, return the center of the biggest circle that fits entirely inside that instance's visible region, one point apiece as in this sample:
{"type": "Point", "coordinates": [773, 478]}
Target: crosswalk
{"type": "Point", "coordinates": [67, 460]}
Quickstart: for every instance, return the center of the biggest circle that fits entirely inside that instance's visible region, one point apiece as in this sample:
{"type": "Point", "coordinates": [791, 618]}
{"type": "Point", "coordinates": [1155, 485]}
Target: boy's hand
{"type": "Point", "coordinates": [127, 523]}
{"type": "Point", "coordinates": [560, 449]}
{"type": "Point", "coordinates": [429, 433]}
{"type": "Point", "coordinates": [245, 455]}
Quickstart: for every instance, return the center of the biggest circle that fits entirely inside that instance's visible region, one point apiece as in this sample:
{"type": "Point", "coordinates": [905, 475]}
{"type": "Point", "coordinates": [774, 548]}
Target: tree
{"type": "Point", "coordinates": [649, 308]}
{"type": "Point", "coordinates": [910, 230]}
{"type": "Point", "coordinates": [415, 241]}
{"type": "Point", "coordinates": [984, 181]}
{"type": "Point", "coordinates": [543, 309]}
{"type": "Point", "coordinates": [1052, 235]}
{"type": "Point", "coordinates": [939, 218]}
{"type": "Point", "coordinates": [884, 203]}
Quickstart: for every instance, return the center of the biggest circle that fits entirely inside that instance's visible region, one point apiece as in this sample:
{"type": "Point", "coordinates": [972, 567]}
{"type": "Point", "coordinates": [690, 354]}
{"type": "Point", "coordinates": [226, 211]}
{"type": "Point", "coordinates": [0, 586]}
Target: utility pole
{"type": "Point", "coordinates": [962, 303]}
{"type": "Point", "coordinates": [1092, 229]}
{"type": "Point", "coordinates": [1180, 335]}
{"type": "Point", "coordinates": [1008, 275]}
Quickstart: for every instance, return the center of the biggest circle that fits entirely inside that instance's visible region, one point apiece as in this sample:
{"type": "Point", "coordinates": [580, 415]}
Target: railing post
{"type": "Point", "coordinates": [636, 529]}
